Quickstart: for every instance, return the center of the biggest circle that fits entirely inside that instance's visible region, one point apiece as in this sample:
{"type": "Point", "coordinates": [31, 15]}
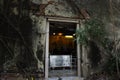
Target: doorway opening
{"type": "Point", "coordinates": [62, 49]}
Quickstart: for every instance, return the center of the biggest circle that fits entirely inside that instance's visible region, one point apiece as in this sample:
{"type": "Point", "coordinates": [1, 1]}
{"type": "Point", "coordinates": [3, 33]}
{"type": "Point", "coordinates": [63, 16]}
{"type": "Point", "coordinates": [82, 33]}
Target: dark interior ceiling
{"type": "Point", "coordinates": [61, 27]}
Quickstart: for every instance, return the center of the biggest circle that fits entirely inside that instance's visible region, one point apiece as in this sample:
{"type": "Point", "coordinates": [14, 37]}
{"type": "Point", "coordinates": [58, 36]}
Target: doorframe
{"type": "Point", "coordinates": [68, 20]}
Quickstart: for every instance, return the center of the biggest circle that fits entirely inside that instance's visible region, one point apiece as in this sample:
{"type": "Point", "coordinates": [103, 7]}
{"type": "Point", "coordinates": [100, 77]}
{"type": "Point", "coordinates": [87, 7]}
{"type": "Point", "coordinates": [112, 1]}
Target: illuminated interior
{"type": "Point", "coordinates": [62, 48]}
{"type": "Point", "coordinates": [62, 38]}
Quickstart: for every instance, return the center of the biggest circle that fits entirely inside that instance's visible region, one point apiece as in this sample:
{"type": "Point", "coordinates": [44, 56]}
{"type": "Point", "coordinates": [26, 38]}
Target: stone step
{"type": "Point", "coordinates": [66, 78]}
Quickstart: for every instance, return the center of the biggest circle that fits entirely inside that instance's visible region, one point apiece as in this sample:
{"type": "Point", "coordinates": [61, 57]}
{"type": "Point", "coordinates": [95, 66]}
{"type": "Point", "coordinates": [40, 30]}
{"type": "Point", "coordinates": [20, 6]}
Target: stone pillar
{"type": "Point", "coordinates": [38, 39]}
{"type": "Point", "coordinates": [85, 64]}
{"type": "Point", "coordinates": [78, 56]}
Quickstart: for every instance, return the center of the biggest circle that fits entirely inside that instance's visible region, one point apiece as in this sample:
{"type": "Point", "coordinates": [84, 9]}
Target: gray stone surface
{"type": "Point", "coordinates": [66, 78]}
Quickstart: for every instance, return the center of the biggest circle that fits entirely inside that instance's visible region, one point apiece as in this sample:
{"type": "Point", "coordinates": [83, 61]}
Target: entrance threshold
{"type": "Point", "coordinates": [66, 78]}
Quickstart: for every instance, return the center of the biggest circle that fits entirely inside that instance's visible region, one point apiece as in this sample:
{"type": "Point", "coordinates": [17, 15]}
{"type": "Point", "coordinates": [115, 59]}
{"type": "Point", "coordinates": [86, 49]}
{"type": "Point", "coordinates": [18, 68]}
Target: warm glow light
{"type": "Point", "coordinates": [60, 34]}
{"type": "Point", "coordinates": [68, 36]}
{"type": "Point", "coordinates": [53, 33]}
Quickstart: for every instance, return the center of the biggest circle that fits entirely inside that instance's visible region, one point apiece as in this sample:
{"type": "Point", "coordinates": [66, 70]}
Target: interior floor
{"type": "Point", "coordinates": [62, 73]}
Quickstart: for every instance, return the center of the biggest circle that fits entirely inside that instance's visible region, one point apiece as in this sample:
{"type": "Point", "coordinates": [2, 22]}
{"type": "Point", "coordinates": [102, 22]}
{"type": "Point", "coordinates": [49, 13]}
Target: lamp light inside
{"type": "Point", "coordinates": [60, 34]}
{"type": "Point", "coordinates": [68, 36]}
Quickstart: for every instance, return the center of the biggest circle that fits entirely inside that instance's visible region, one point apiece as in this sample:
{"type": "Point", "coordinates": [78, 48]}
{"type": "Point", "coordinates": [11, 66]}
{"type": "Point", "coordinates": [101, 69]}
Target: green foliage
{"type": "Point", "coordinates": [82, 36]}
{"type": "Point", "coordinates": [110, 65]}
{"type": "Point", "coordinates": [93, 29]}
